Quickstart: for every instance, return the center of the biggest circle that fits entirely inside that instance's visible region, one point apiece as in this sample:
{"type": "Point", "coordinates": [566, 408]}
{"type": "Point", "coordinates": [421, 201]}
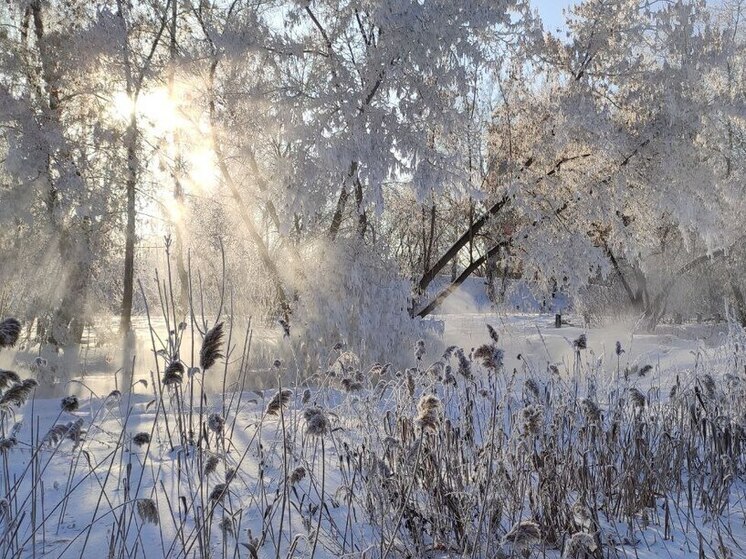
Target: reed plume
{"type": "Point", "coordinates": [211, 345]}
{"type": "Point", "coordinates": [141, 439]}
{"type": "Point", "coordinates": [70, 403]}
{"type": "Point", "coordinates": [278, 401]}
{"type": "Point", "coordinates": [317, 423]}
{"type": "Point", "coordinates": [174, 374]}
{"type": "Point", "coordinates": [147, 511]}
{"type": "Point", "coordinates": [10, 330]}
{"type": "Point", "coordinates": [17, 394]}
{"type": "Point", "coordinates": [7, 378]}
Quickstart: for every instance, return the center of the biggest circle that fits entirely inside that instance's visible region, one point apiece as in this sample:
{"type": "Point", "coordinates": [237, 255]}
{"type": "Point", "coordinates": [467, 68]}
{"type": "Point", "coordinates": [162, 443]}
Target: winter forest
{"type": "Point", "coordinates": [372, 278]}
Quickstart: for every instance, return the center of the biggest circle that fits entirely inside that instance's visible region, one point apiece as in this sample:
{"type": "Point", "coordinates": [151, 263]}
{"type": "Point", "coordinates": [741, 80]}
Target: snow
{"type": "Point", "coordinates": [97, 480]}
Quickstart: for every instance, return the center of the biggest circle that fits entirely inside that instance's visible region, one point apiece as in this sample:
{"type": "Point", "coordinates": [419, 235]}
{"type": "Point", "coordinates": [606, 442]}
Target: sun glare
{"type": "Point", "coordinates": [203, 173]}
{"type": "Point", "coordinates": [155, 108]}
{"type": "Point", "coordinates": [162, 123]}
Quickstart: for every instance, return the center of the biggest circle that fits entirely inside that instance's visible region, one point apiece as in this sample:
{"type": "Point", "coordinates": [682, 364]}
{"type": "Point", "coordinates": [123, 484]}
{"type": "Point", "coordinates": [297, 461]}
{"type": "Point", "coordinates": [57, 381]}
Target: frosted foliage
{"type": "Point", "coordinates": [355, 297]}
{"type": "Point", "coordinates": [383, 95]}
{"type": "Point", "coordinates": [334, 151]}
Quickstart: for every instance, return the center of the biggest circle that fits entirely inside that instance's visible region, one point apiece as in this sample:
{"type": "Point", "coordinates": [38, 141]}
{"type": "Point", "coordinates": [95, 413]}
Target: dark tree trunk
{"type": "Point", "coordinates": [740, 302]}
{"type": "Point", "coordinates": [443, 295]}
{"type": "Point", "coordinates": [362, 215]}
{"type": "Point", "coordinates": [129, 240]}
{"type": "Point", "coordinates": [341, 203]}
{"type": "Point", "coordinates": [462, 241]}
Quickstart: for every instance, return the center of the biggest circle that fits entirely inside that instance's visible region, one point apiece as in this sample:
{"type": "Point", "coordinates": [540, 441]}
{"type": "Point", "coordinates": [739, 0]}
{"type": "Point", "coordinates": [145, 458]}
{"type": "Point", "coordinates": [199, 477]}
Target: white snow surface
{"type": "Point", "coordinates": [74, 475]}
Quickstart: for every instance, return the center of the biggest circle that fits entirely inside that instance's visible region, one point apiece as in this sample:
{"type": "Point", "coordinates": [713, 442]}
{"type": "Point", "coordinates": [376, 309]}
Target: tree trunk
{"type": "Point", "coordinates": [459, 244]}
{"type": "Point", "coordinates": [69, 319]}
{"type": "Point", "coordinates": [129, 240]}
{"type": "Point", "coordinates": [341, 203]}
{"type": "Point", "coordinates": [181, 271]}
{"type": "Point", "coordinates": [246, 217]}
{"type": "Point", "coordinates": [362, 215]}
{"type": "Point", "coordinates": [443, 295]}
{"type": "Point", "coordinates": [740, 302]}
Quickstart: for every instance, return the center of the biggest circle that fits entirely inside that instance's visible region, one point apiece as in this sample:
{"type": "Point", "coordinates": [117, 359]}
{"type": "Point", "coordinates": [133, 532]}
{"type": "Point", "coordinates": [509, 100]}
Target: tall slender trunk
{"type": "Point", "coordinates": [243, 210]}
{"type": "Point", "coordinates": [181, 270]}
{"type": "Point", "coordinates": [740, 301]}
{"type": "Point", "coordinates": [362, 215]}
{"type": "Point", "coordinates": [341, 203]}
{"type": "Point", "coordinates": [129, 240]}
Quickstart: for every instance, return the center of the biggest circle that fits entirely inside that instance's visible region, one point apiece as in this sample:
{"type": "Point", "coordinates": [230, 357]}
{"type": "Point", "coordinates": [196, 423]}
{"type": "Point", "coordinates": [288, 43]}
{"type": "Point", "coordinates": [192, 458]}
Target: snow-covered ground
{"type": "Point", "coordinates": [93, 488]}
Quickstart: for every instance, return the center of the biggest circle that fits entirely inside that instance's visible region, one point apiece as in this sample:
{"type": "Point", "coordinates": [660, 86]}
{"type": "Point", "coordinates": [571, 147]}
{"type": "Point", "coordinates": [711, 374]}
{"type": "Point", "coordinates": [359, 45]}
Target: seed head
{"type": "Point", "coordinates": [491, 356]}
{"type": "Point", "coordinates": [278, 401]}
{"type": "Point", "coordinates": [533, 419]}
{"type": "Point", "coordinates": [419, 350]}
{"type": "Point", "coordinates": [226, 526]}
{"type": "Point", "coordinates": [350, 385]}
{"type": "Point", "coordinates": [532, 387]}
{"type": "Point", "coordinates": [297, 475]}
{"type": "Point", "coordinates": [637, 398]}
{"type": "Point", "coordinates": [7, 378]}
{"type": "Point", "coordinates": [70, 403]}
{"type": "Point", "coordinates": [6, 443]}
{"type": "Point", "coordinates": [449, 351]}
{"type": "Point", "coordinates": [523, 535]}
{"type": "Point", "coordinates": [211, 464]}
{"type": "Point", "coordinates": [591, 410]}
{"type": "Point", "coordinates": [216, 423]}
{"type": "Point", "coordinates": [218, 492]}
{"type": "Point", "coordinates": [464, 364]}
{"type": "Point", "coordinates": [10, 330]}
{"type": "Point", "coordinates": [211, 345]}
{"type": "Point", "coordinates": [428, 409]}
{"type": "Point", "coordinates": [72, 430]}
{"type": "Point", "coordinates": [317, 423]}
{"type": "Point", "coordinates": [17, 394]}
{"type": "Point", "coordinates": [645, 370]}
{"type": "Point", "coordinates": [147, 511]}
{"type": "Point", "coordinates": [582, 515]}
{"type": "Point", "coordinates": [174, 373]}
{"type": "Point", "coordinates": [580, 546]}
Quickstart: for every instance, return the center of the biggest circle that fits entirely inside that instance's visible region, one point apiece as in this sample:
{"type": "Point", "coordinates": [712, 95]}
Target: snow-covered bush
{"type": "Point", "coordinates": [346, 293]}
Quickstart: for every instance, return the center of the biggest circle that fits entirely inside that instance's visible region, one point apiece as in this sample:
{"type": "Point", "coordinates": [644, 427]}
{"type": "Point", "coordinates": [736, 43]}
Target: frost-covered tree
{"type": "Point", "coordinates": [629, 137]}
{"type": "Point", "coordinates": [59, 159]}
{"type": "Point", "coordinates": [70, 71]}
{"type": "Point", "coordinates": [321, 113]}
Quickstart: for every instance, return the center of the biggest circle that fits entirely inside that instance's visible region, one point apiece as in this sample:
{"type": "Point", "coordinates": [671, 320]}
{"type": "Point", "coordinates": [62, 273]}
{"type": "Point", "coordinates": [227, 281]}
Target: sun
{"type": "Point", "coordinates": [184, 149]}
{"type": "Point", "coordinates": [156, 110]}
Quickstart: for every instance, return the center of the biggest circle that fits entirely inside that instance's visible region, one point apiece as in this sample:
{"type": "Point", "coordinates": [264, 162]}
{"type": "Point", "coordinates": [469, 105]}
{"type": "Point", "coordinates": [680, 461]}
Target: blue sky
{"type": "Point", "coordinates": [551, 12]}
